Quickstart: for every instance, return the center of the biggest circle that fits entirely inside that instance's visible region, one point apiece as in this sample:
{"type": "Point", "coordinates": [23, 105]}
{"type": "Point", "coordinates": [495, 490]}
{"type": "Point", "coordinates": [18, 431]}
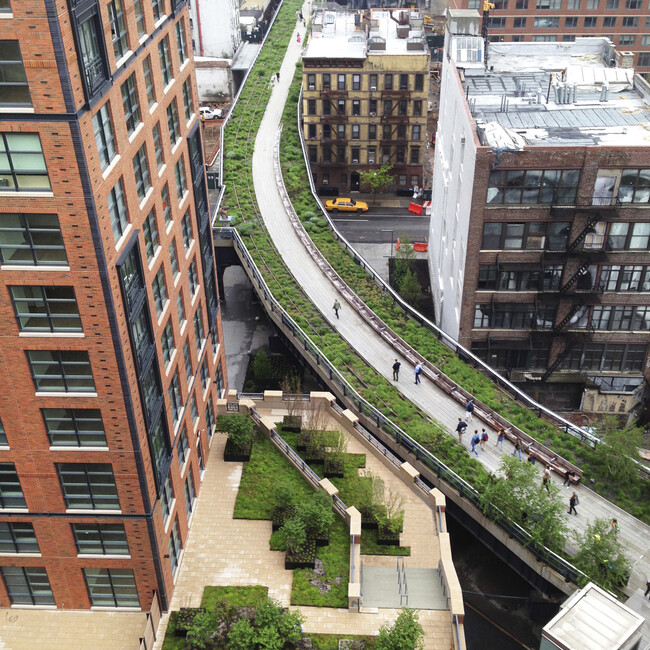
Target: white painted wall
{"type": "Point", "coordinates": [451, 200]}
{"type": "Point", "coordinates": [212, 81]}
{"type": "Point", "coordinates": [218, 23]}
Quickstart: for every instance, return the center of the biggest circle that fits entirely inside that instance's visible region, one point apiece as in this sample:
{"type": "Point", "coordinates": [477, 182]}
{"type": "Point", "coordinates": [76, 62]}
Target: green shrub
{"type": "Point", "coordinates": [405, 633]}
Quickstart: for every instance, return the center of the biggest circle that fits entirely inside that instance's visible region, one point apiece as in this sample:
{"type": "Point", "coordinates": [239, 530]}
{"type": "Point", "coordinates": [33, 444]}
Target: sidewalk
{"type": "Point", "coordinates": [634, 534]}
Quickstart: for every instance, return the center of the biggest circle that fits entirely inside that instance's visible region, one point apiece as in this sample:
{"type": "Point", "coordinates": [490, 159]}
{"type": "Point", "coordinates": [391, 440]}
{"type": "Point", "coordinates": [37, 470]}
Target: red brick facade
{"type": "Point", "coordinates": [79, 197]}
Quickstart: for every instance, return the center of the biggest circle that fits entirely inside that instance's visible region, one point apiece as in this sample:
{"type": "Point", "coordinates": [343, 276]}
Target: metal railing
{"type": "Point", "coordinates": [350, 395]}
{"type": "Point", "coordinates": [402, 582]}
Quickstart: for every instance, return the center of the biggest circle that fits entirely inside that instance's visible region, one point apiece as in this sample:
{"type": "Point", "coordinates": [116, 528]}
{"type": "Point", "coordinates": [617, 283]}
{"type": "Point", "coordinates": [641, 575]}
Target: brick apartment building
{"type": "Point", "coordinates": [365, 90]}
{"type": "Point", "coordinates": [625, 22]}
{"type": "Point", "coordinates": [541, 216]}
{"type": "Point", "coordinates": [110, 348]}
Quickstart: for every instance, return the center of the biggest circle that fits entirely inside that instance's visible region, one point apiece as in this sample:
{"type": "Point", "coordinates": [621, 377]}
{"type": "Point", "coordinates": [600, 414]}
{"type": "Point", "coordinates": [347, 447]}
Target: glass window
{"type": "Point", "coordinates": [111, 588]}
{"type": "Point", "coordinates": [167, 342]}
{"type": "Point", "coordinates": [139, 18]}
{"type": "Point", "coordinates": [148, 81]}
{"type": "Point", "coordinates": [74, 427]}
{"type": "Point", "coordinates": [609, 22]}
{"type": "Point", "coordinates": [117, 210]}
{"type": "Point", "coordinates": [141, 172]}
{"type": "Point", "coordinates": [174, 546]}
{"type": "Point", "coordinates": [173, 258]}
{"type": "Point", "coordinates": [11, 493]}
{"type": "Point", "coordinates": [419, 82]}
{"type": "Point", "coordinates": [193, 409]}
{"type": "Point", "coordinates": [131, 104]}
{"type": "Point", "coordinates": [173, 123]}
{"type": "Point", "coordinates": [356, 82]}
{"type": "Point", "coordinates": [88, 486]}
{"type": "Point", "coordinates": [340, 82]}
{"type": "Point", "coordinates": [5, 6]}
{"type": "Point", "coordinates": [166, 204]}
{"type": "Point", "coordinates": [187, 358]}
{"type": "Point", "coordinates": [179, 174]}
{"type": "Point", "coordinates": [388, 82]}
{"type": "Point", "coordinates": [31, 239]}
{"type": "Point", "coordinates": [166, 499]}
{"type": "Point", "coordinates": [194, 278]}
{"type": "Point", "coordinates": [205, 375]}
{"type": "Point", "coordinates": [533, 186]}
{"type": "Point", "coordinates": [415, 156]}
{"type": "Point", "coordinates": [104, 137]}
{"type": "Point", "coordinates": [118, 29]}
{"type": "Point", "coordinates": [159, 440]}
{"type": "Point", "coordinates": [181, 308]}
{"type": "Point", "coordinates": [92, 54]}
{"type": "Point", "coordinates": [181, 42]}
{"type": "Point", "coordinates": [590, 22]}
{"type": "Point", "coordinates": [150, 230]}
{"type": "Point", "coordinates": [100, 539]}
{"type": "Point", "coordinates": [3, 435]}
{"type": "Point", "coordinates": [157, 145]}
{"type": "Point", "coordinates": [61, 371]}
{"type": "Point", "coordinates": [187, 100]}
{"type": "Point", "coordinates": [189, 494]}
{"type": "Point", "coordinates": [18, 537]}
{"type": "Point", "coordinates": [635, 186]}
{"type": "Point", "coordinates": [158, 9]}
{"type": "Point", "coordinates": [416, 132]}
{"type": "Point", "coordinates": [165, 61]}
{"type": "Point", "coordinates": [183, 447]}
{"type": "Point", "coordinates": [373, 82]}
{"type": "Point", "coordinates": [46, 309]}
{"type": "Point", "coordinates": [14, 89]}
{"type": "Point", "coordinates": [630, 22]}
{"type": "Point", "coordinates": [22, 164]}
{"type": "Point", "coordinates": [198, 329]}
{"type": "Point", "coordinates": [159, 289]}
{"type": "Point", "coordinates": [27, 585]}
{"type": "Point", "coordinates": [188, 235]}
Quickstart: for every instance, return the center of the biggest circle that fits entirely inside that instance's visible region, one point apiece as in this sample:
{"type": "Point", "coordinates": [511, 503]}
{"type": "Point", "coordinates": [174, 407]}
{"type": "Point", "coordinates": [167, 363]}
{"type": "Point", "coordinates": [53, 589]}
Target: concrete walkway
{"type": "Point", "coordinates": [634, 534]}
{"type": "Point", "coordinates": [224, 551]}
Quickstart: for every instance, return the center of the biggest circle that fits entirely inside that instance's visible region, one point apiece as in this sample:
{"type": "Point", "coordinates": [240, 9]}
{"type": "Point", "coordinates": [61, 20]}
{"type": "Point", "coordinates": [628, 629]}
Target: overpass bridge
{"type": "Point", "coordinates": [378, 345]}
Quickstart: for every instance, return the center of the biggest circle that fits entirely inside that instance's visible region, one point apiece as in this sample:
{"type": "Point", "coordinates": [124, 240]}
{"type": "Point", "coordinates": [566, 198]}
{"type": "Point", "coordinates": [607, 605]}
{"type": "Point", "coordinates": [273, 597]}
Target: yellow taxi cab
{"type": "Point", "coordinates": [346, 205]}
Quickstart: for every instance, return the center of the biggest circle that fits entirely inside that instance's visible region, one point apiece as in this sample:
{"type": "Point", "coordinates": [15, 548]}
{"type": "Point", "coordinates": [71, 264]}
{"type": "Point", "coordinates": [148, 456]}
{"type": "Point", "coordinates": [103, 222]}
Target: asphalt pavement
{"type": "Point", "coordinates": [376, 225]}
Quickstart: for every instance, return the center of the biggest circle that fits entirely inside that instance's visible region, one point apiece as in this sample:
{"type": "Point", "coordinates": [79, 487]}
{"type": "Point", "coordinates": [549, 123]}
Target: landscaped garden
{"type": "Point", "coordinates": [630, 491]}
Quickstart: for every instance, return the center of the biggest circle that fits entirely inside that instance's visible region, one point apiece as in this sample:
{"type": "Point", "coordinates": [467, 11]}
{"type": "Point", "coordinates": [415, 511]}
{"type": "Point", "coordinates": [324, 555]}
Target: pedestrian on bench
{"type": "Point", "coordinates": [568, 477]}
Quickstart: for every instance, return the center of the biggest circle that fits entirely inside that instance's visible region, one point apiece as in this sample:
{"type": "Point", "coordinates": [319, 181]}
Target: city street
{"type": "Point", "coordinates": [369, 228]}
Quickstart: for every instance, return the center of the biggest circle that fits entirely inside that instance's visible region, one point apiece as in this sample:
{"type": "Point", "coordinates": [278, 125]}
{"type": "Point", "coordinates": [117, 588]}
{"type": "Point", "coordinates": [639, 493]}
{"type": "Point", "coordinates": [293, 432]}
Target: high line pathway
{"type": "Point", "coordinates": [634, 536]}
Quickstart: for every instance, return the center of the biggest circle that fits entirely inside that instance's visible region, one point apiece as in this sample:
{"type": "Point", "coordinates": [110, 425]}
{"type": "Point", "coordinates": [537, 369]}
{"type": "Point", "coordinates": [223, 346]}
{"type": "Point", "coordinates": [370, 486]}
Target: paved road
{"type": "Point", "coordinates": [634, 534]}
{"type": "Point", "coordinates": [368, 228]}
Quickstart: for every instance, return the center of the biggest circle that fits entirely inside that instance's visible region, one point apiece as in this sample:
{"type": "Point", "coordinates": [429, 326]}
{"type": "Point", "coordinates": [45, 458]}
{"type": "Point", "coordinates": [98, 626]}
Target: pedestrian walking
{"type": "Point", "coordinates": [336, 307]}
{"type": "Point", "coordinates": [531, 458]}
{"type": "Point", "coordinates": [615, 528]}
{"type": "Point", "coordinates": [546, 481]}
{"type": "Point", "coordinates": [300, 16]}
{"type": "Point", "coordinates": [647, 587]}
{"type": "Point", "coordinates": [501, 436]}
{"type": "Point", "coordinates": [417, 371]}
{"type": "Point", "coordinates": [298, 37]}
{"type": "Point", "coordinates": [475, 440]}
{"type": "Point", "coordinates": [396, 367]}
{"type": "Point", "coordinates": [484, 438]}
{"type": "Point", "coordinates": [460, 429]}
{"type": "Point", "coordinates": [469, 409]}
{"type": "Point", "coordinates": [517, 448]}
{"type": "Point", "coordinates": [573, 502]}
{"type": "Point", "coordinates": [277, 76]}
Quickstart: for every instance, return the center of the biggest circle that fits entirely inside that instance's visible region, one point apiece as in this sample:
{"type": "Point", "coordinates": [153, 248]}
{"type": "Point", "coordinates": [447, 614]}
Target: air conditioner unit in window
{"type": "Point", "coordinates": [312, 87]}
{"type": "Point", "coordinates": [373, 114]}
{"type": "Point", "coordinates": [355, 162]}
{"type": "Point", "coordinates": [371, 161]}
{"type": "Point", "coordinates": [373, 88]}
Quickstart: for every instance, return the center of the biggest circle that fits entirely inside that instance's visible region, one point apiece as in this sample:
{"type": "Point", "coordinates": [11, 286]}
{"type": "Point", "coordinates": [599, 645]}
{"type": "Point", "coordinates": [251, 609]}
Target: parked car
{"type": "Point", "coordinates": [208, 113]}
{"type": "Point", "coordinates": [346, 205]}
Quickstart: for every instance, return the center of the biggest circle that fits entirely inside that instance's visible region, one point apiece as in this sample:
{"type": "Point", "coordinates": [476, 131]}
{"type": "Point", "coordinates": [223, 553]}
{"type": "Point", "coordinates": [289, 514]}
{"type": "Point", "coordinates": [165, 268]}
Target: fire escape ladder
{"type": "Point", "coordinates": [560, 358]}
{"type": "Point", "coordinates": [570, 314]}
{"type": "Point", "coordinates": [589, 228]}
{"type": "Point", "coordinates": [575, 277]}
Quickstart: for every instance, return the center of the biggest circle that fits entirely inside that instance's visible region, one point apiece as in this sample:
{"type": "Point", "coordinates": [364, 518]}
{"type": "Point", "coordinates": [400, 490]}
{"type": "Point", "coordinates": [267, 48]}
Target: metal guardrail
{"type": "Point", "coordinates": [286, 449]}
{"type": "Point", "coordinates": [441, 471]}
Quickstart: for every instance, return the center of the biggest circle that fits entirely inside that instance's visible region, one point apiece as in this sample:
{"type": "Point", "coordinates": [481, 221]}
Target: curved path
{"type": "Point", "coordinates": [634, 536]}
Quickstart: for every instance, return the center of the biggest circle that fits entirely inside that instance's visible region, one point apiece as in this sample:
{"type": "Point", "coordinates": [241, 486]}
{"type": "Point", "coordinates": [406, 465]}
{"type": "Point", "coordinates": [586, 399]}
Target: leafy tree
{"type": "Point", "coordinates": [378, 180]}
{"type": "Point", "coordinates": [518, 494]}
{"type": "Point", "coordinates": [242, 635]}
{"type": "Point", "coordinates": [621, 450]}
{"type": "Point", "coordinates": [601, 555]}
{"type": "Point", "coordinates": [294, 535]}
{"type": "Point", "coordinates": [202, 629]}
{"type": "Point", "coordinates": [405, 633]}
{"type": "Point", "coordinates": [241, 429]}
{"type": "Point", "coordinates": [262, 366]}
{"type": "Point", "coordinates": [409, 288]}
{"type": "Point", "coordinates": [284, 495]}
{"type": "Point", "coordinates": [316, 514]}
{"type": "Point", "coordinates": [272, 628]}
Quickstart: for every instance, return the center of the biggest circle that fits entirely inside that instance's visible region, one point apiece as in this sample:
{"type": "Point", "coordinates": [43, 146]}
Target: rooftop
{"type": "Point", "coordinates": [355, 35]}
{"type": "Point", "coordinates": [557, 94]}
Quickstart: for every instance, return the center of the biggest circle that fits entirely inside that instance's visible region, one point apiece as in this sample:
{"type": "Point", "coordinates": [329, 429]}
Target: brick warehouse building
{"type": "Point", "coordinates": [625, 22]}
{"type": "Point", "coordinates": [365, 90]}
{"type": "Point", "coordinates": [541, 217]}
{"type": "Point", "coordinates": [110, 345]}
